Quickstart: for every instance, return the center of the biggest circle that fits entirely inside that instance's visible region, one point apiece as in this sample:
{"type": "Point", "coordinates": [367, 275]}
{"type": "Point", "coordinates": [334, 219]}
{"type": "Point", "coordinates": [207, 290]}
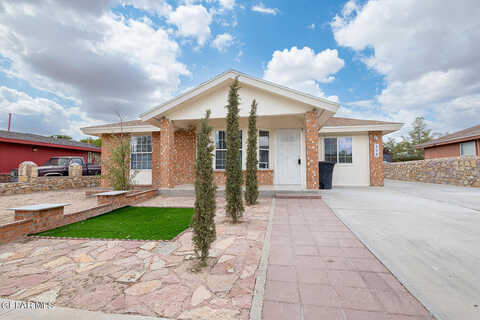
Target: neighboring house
{"type": "Point", "coordinates": [295, 131]}
{"type": "Point", "coordinates": [462, 143]}
{"type": "Point", "coordinates": [16, 147]}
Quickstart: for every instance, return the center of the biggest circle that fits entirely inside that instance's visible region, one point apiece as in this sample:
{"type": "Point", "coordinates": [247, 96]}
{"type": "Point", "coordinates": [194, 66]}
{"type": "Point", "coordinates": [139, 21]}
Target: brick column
{"type": "Point", "coordinates": [311, 148]}
{"type": "Point", "coordinates": [156, 161]}
{"type": "Point", "coordinates": [167, 154]}
{"type": "Point", "coordinates": [376, 163]}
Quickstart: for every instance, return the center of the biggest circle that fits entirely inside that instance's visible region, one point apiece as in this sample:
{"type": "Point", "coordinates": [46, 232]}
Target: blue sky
{"type": "Point", "coordinates": [64, 65]}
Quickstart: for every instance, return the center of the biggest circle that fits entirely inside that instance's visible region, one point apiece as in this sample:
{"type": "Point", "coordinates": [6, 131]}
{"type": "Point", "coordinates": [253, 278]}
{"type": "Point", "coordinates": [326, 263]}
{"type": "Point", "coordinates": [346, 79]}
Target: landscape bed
{"type": "Point", "coordinates": [139, 223]}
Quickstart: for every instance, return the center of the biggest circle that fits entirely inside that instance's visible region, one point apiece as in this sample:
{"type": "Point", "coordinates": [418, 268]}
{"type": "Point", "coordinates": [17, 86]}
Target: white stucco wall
{"type": "Point", "coordinates": [269, 104]}
{"type": "Point", "coordinates": [358, 172]}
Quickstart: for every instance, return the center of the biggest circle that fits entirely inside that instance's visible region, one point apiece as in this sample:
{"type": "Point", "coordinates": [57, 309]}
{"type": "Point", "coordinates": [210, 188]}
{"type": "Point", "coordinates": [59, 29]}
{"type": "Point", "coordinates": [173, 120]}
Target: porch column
{"type": "Point", "coordinates": [156, 161]}
{"type": "Point", "coordinates": [167, 153]}
{"type": "Point", "coordinates": [311, 148]}
{"type": "Point", "coordinates": [376, 158]}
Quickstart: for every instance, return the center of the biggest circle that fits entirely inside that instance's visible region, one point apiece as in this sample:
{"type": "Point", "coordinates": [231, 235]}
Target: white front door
{"type": "Point", "coordinates": [288, 155]}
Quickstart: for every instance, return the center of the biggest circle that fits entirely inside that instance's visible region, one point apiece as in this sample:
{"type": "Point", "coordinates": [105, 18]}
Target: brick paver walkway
{"type": "Point", "coordinates": [318, 269]}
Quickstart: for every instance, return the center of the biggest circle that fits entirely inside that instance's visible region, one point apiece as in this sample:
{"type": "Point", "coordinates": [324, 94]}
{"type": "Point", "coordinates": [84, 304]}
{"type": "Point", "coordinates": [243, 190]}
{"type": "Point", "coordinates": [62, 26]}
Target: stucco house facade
{"type": "Point", "coordinates": [295, 131]}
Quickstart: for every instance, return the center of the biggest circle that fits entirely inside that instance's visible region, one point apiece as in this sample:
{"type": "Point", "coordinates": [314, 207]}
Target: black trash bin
{"type": "Point", "coordinates": [325, 169]}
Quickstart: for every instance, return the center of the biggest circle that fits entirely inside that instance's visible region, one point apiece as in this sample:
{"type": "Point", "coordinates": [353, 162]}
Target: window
{"type": "Point", "coordinates": [263, 149]}
{"type": "Point", "coordinates": [467, 148]}
{"type": "Point", "coordinates": [221, 149]}
{"type": "Point", "coordinates": [141, 152]}
{"type": "Point", "coordinates": [338, 149]}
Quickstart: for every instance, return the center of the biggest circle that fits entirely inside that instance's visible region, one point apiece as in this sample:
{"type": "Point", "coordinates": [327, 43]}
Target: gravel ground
{"type": "Point", "coordinates": [76, 197]}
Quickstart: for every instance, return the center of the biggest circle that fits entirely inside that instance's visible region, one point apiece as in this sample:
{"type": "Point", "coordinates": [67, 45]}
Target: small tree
{"type": "Point", "coordinates": [117, 168]}
{"type": "Point", "coordinates": [203, 223]}
{"type": "Point", "coordinates": [233, 166]}
{"type": "Point", "coordinates": [251, 183]}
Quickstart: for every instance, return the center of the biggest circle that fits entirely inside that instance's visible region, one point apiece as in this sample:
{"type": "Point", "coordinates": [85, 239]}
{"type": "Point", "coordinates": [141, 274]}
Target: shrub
{"type": "Point", "coordinates": [251, 183]}
{"type": "Point", "coordinates": [203, 223]}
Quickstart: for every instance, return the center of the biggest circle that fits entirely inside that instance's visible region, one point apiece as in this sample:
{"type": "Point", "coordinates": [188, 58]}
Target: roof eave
{"type": "Point", "coordinates": [384, 128]}
{"type": "Point", "coordinates": [117, 129]}
{"type": "Point", "coordinates": [445, 142]}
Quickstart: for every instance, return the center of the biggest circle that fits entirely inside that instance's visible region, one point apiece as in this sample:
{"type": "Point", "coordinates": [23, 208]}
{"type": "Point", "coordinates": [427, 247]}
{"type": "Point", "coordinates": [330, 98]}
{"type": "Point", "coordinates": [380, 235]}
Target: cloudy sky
{"type": "Point", "coordinates": [66, 64]}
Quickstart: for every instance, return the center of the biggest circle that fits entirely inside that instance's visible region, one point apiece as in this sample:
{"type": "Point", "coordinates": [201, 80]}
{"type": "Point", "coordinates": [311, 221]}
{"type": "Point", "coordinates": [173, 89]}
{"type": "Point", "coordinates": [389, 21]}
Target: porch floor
{"type": "Point", "coordinates": [264, 191]}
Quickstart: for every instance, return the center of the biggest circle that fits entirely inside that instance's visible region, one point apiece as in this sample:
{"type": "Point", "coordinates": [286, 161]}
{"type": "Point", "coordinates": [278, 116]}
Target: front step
{"type": "Point", "coordinates": [298, 196]}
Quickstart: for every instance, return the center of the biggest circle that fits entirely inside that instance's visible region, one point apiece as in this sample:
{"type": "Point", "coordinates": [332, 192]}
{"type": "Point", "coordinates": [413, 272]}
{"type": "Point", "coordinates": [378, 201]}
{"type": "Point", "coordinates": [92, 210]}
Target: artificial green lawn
{"type": "Point", "coordinates": [142, 223]}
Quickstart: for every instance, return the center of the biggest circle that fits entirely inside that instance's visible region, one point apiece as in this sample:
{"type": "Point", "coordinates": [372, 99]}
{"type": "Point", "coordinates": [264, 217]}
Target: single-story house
{"type": "Point", "coordinates": [16, 147]}
{"type": "Point", "coordinates": [461, 143]}
{"type": "Point", "coordinates": [295, 131]}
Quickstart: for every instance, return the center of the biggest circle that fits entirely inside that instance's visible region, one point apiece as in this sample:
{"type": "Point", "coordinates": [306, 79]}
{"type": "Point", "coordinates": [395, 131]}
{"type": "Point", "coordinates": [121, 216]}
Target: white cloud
{"type": "Point", "coordinates": [41, 115]}
{"type": "Point", "coordinates": [227, 4]}
{"type": "Point", "coordinates": [192, 21]}
{"type": "Point", "coordinates": [302, 69]}
{"type": "Point", "coordinates": [428, 55]}
{"type": "Point", "coordinates": [262, 9]}
{"type": "Point", "coordinates": [101, 61]}
{"type": "Point", "coordinates": [223, 41]}
{"type": "Point", "coordinates": [312, 26]}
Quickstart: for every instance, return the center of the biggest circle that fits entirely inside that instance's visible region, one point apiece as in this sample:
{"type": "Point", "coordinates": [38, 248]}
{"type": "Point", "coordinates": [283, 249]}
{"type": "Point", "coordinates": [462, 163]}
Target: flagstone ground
{"type": "Point", "coordinates": [139, 277]}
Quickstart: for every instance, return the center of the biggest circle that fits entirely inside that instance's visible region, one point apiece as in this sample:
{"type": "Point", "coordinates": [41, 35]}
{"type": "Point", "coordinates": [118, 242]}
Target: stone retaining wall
{"type": "Point", "coordinates": [36, 184]}
{"type": "Point", "coordinates": [21, 228]}
{"type": "Point", "coordinates": [460, 171]}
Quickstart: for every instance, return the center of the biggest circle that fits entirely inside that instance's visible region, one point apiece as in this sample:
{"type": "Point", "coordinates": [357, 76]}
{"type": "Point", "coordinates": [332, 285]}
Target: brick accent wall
{"type": "Point", "coordinates": [444, 151]}
{"type": "Point", "coordinates": [459, 171]}
{"type": "Point", "coordinates": [108, 141]}
{"type": "Point", "coordinates": [167, 154]}
{"type": "Point", "coordinates": [447, 150]}
{"type": "Point", "coordinates": [311, 148]}
{"type": "Point", "coordinates": [185, 157]}
{"type": "Point", "coordinates": [265, 177]}
{"type": "Point", "coordinates": [376, 164]}
{"type": "Point", "coordinates": [33, 222]}
{"type": "Point", "coordinates": [156, 161]}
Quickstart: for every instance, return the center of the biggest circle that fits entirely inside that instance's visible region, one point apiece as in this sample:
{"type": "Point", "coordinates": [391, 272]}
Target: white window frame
{"type": "Point", "coordinates": [268, 149]}
{"type": "Point", "coordinates": [338, 163]}
{"type": "Point", "coordinates": [141, 152]}
{"type": "Point", "coordinates": [215, 151]}
{"type": "Point", "coordinates": [474, 148]}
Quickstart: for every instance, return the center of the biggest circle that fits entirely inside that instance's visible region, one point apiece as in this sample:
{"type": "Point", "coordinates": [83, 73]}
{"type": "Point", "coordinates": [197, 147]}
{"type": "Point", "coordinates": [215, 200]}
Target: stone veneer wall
{"type": "Point", "coordinates": [54, 218]}
{"type": "Point", "coordinates": [460, 171]}
{"type": "Point", "coordinates": [36, 184]}
{"type": "Point", "coordinates": [376, 164]}
{"type": "Point", "coordinates": [265, 177]}
{"type": "Point", "coordinates": [311, 148]}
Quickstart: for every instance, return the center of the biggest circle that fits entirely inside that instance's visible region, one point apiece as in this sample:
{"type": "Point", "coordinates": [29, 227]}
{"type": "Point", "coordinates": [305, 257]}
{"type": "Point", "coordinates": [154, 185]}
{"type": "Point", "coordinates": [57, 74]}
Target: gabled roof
{"type": "Point", "coordinates": [471, 133]}
{"type": "Point", "coordinates": [229, 75]}
{"type": "Point", "coordinates": [35, 139]}
{"type": "Point", "coordinates": [339, 125]}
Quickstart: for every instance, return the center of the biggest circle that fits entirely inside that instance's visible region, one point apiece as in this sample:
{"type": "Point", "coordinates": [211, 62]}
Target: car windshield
{"type": "Point", "coordinates": [56, 162]}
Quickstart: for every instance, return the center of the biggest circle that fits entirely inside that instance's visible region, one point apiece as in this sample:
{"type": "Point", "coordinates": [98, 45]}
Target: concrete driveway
{"type": "Point", "coordinates": [428, 235]}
